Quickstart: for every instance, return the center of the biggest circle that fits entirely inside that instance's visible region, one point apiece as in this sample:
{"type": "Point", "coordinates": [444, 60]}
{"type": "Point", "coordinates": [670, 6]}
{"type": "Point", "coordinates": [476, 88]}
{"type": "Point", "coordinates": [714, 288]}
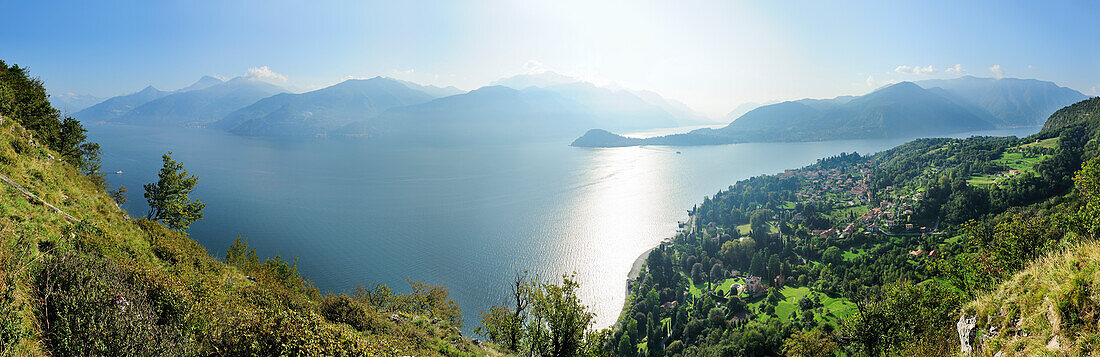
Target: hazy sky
{"type": "Point", "coordinates": [712, 55]}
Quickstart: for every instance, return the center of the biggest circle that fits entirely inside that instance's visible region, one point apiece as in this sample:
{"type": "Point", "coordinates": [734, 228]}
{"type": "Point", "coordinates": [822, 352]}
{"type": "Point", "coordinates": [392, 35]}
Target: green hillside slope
{"type": "Point", "coordinates": [1085, 112]}
{"type": "Point", "coordinates": [80, 277]}
{"type": "Point", "coordinates": [104, 283]}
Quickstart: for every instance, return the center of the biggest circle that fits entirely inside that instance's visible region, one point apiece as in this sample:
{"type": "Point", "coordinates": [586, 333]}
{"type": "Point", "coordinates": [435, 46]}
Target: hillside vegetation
{"type": "Point", "coordinates": [101, 283]}
{"type": "Point", "coordinates": [907, 252]}
{"type": "Point", "coordinates": [1086, 113]}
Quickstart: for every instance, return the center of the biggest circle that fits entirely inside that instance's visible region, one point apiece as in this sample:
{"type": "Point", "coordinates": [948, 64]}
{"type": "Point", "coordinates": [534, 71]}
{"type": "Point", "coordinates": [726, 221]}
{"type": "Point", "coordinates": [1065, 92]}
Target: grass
{"type": "Point", "coordinates": [743, 229]}
{"type": "Point", "coordinates": [1015, 159]}
{"type": "Point", "coordinates": [696, 290]}
{"type": "Point", "coordinates": [850, 255]}
{"type": "Point", "coordinates": [833, 309]}
{"type": "Point", "coordinates": [1052, 299]}
{"type": "Point", "coordinates": [982, 180]}
{"type": "Point", "coordinates": [843, 213]}
{"type": "Point", "coordinates": [1051, 143]}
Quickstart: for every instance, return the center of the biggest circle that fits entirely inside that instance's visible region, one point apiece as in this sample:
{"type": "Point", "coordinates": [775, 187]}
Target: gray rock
{"type": "Point", "coordinates": [965, 327]}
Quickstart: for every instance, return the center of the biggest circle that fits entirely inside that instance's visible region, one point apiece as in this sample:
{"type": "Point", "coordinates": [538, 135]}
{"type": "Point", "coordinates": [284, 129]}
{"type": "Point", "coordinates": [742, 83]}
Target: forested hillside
{"type": "Point", "coordinates": [887, 254]}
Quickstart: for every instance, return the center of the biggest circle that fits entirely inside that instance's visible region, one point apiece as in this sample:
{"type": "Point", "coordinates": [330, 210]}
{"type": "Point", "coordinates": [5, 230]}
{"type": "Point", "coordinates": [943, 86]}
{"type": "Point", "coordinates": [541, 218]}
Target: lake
{"type": "Point", "coordinates": [468, 217]}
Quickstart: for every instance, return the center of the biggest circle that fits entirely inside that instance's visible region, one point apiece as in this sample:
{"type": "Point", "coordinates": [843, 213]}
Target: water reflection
{"type": "Point", "coordinates": [467, 217]}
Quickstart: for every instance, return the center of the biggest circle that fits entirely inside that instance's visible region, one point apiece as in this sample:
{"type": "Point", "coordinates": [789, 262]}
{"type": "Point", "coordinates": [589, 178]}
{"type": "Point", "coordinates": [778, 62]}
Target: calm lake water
{"type": "Point", "coordinates": [468, 217]}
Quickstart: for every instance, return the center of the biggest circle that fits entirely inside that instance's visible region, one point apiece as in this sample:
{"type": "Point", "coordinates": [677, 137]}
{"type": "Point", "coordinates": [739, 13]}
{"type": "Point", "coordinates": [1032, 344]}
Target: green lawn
{"type": "Point", "coordinates": [850, 255]}
{"type": "Point", "coordinates": [697, 290]}
{"type": "Point", "coordinates": [838, 307]}
{"type": "Point", "coordinates": [743, 229]}
{"type": "Point", "coordinates": [981, 180]}
{"type": "Point", "coordinates": [1015, 161]}
{"type": "Point", "coordinates": [843, 213]}
{"type": "Point", "coordinates": [1051, 143]}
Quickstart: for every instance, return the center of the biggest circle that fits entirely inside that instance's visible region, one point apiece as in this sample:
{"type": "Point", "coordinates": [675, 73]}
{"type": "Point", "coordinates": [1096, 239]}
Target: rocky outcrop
{"type": "Point", "coordinates": [965, 327]}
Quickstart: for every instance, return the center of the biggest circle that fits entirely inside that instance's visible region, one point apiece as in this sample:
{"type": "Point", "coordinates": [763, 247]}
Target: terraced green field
{"type": "Point", "coordinates": [1018, 160]}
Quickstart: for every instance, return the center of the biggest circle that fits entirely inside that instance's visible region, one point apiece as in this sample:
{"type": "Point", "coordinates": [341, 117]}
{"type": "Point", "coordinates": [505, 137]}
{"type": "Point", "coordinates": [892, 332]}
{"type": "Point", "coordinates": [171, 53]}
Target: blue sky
{"type": "Point", "coordinates": [712, 55]}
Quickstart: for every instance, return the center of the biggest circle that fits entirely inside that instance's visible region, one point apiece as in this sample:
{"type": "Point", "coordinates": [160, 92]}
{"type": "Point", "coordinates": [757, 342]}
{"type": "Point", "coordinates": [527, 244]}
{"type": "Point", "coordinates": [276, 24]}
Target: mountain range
{"type": "Point", "coordinates": [319, 111]}
{"type": "Point", "coordinates": [906, 109]}
{"type": "Point", "coordinates": [524, 106]}
{"type": "Point", "coordinates": [548, 104]}
{"type": "Point", "coordinates": [201, 106]}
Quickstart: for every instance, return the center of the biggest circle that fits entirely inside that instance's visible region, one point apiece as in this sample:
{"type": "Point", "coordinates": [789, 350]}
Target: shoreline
{"type": "Point", "coordinates": [636, 268]}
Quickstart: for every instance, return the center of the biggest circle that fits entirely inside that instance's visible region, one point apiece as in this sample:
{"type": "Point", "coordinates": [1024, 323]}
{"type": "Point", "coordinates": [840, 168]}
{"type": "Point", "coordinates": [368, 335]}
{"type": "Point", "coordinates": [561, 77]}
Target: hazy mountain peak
{"type": "Point", "coordinates": [149, 89]}
{"type": "Point", "coordinates": [433, 90]}
{"type": "Point", "coordinates": [1012, 101]}
{"type": "Point", "coordinates": [541, 79]}
{"type": "Point", "coordinates": [202, 83]}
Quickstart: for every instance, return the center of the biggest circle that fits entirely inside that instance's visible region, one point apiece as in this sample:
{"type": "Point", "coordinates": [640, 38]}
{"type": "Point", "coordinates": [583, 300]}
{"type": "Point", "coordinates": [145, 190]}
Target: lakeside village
{"type": "Point", "coordinates": [824, 207]}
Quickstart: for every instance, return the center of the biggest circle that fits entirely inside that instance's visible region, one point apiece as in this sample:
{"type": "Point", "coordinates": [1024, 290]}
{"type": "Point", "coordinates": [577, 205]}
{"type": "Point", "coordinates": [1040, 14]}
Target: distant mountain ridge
{"type": "Point", "coordinates": [506, 114]}
{"type": "Point", "coordinates": [1016, 102]}
{"type": "Point", "coordinates": [495, 113]}
{"type": "Point", "coordinates": [200, 106]}
{"type": "Point", "coordinates": [330, 108]}
{"type": "Point", "coordinates": [115, 107]}
{"type": "Point", "coordinates": [361, 108]}
{"type": "Point", "coordinates": [904, 109]}
{"type": "Point", "coordinates": [613, 94]}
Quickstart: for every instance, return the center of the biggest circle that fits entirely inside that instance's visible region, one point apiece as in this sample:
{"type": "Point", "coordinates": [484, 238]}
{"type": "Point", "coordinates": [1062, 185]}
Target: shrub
{"type": "Point", "coordinates": [282, 332]}
{"type": "Point", "coordinates": [343, 309]}
{"type": "Point", "coordinates": [94, 307]}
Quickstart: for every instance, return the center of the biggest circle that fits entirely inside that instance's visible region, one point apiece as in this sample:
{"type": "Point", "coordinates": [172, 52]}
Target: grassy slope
{"type": "Point", "coordinates": [220, 307]}
{"type": "Point", "coordinates": [1053, 302]}
{"type": "Point", "coordinates": [1016, 160]}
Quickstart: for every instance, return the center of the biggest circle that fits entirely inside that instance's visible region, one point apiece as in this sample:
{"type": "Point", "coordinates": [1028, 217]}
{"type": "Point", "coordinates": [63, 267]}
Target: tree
{"type": "Point", "coordinates": [168, 197]}
{"type": "Point", "coordinates": [118, 195]}
{"type": "Point", "coordinates": [90, 164]}
{"type": "Point", "coordinates": [717, 272]}
{"type": "Point", "coordinates": [809, 344]}
{"type": "Point", "coordinates": [697, 273]}
{"type": "Point", "coordinates": [832, 255]}
{"type": "Point", "coordinates": [561, 314]}
{"type": "Point", "coordinates": [626, 348]}
{"type": "Point", "coordinates": [901, 315]}
{"type": "Point", "coordinates": [555, 324]}
{"type": "Point", "coordinates": [435, 301]}
{"type": "Point", "coordinates": [503, 324]}
{"type": "Point", "coordinates": [24, 99]}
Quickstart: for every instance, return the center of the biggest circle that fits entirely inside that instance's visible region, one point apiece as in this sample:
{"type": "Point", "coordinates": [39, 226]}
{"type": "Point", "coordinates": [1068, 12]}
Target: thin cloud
{"type": "Point", "coordinates": [916, 70]}
{"type": "Point", "coordinates": [533, 66]}
{"type": "Point", "coordinates": [998, 72]}
{"type": "Point", "coordinates": [956, 69]}
{"type": "Point", "coordinates": [264, 73]}
{"type": "Point", "coordinates": [873, 83]}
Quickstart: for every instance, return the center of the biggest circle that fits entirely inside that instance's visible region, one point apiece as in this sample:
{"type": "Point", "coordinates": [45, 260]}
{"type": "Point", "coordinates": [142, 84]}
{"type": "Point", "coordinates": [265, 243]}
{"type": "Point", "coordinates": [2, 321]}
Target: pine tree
{"type": "Point", "coordinates": [168, 197]}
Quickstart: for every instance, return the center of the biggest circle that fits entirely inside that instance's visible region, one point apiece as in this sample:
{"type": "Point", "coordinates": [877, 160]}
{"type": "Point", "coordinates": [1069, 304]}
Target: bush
{"type": "Point", "coordinates": [94, 307]}
{"type": "Point", "coordinates": [282, 332]}
{"type": "Point", "coordinates": [343, 309]}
